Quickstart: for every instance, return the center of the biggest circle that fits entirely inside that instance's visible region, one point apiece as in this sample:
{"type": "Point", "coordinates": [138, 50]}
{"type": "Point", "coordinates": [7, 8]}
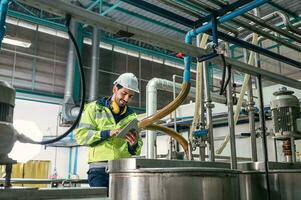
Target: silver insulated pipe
{"type": "Point", "coordinates": [95, 65]}
{"type": "Point", "coordinates": [68, 97]}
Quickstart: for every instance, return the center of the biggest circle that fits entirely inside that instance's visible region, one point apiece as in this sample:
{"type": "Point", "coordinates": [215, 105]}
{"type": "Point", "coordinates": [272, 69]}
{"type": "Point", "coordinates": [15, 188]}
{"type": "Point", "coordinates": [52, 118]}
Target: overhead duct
{"type": "Point", "coordinates": [68, 97]}
{"type": "Point", "coordinates": [95, 65]}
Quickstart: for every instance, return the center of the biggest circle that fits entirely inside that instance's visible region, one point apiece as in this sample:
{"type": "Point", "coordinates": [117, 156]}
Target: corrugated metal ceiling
{"type": "Point", "coordinates": [294, 6]}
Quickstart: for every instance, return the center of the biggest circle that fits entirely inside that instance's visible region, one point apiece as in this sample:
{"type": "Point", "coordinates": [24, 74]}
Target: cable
{"type": "Point", "coordinates": [229, 77]}
{"type": "Point", "coordinates": [223, 83]}
{"type": "Point", "coordinates": [83, 90]}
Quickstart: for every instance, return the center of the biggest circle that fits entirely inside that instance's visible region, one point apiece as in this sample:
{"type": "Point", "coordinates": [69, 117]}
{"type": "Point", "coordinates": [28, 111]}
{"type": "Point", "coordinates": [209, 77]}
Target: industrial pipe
{"type": "Point", "coordinates": [261, 22]}
{"type": "Point", "coordinates": [226, 17]}
{"type": "Point", "coordinates": [240, 99]}
{"type": "Point", "coordinates": [95, 65]}
{"type": "Point", "coordinates": [179, 138]}
{"type": "Point", "coordinates": [251, 113]}
{"type": "Point", "coordinates": [168, 109]}
{"type": "Point", "coordinates": [198, 117]}
{"type": "Point", "coordinates": [68, 94]}
{"type": "Point", "coordinates": [112, 26]}
{"type": "Point", "coordinates": [285, 19]}
{"type": "Point", "coordinates": [197, 15]}
{"type": "Point", "coordinates": [151, 104]}
{"type": "Point", "coordinates": [267, 35]}
{"type": "Point", "coordinates": [231, 123]}
{"type": "Point", "coordinates": [287, 23]}
{"type": "Point", "coordinates": [199, 87]}
{"type": "Point", "coordinates": [3, 13]}
{"type": "Point", "coordinates": [187, 60]}
{"type": "Point", "coordinates": [209, 106]}
{"type": "Point", "coordinates": [192, 33]}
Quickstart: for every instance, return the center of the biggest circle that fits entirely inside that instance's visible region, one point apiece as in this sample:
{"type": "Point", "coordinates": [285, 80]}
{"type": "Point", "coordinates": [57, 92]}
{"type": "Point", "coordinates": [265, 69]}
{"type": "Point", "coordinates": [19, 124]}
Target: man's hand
{"type": "Point", "coordinates": [114, 132]}
{"type": "Point", "coordinates": [131, 138]}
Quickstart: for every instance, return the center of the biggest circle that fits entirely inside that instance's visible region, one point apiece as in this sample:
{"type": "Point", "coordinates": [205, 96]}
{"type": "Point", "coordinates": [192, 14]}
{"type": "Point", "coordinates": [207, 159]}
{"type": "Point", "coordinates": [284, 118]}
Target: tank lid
{"type": "Point", "coordinates": [283, 91]}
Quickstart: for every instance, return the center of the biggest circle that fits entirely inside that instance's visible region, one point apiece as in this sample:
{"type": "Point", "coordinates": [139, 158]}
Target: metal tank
{"type": "Point", "coordinates": [146, 179]}
{"type": "Point", "coordinates": [285, 181]}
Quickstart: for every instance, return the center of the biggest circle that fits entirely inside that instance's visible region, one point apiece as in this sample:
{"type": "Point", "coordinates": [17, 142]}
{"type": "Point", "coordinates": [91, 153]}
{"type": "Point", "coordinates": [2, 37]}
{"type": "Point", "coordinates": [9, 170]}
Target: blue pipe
{"type": "Point", "coordinates": [75, 161]}
{"type": "Point", "coordinates": [3, 13]}
{"type": "Point", "coordinates": [69, 163]}
{"type": "Point", "coordinates": [70, 157]}
{"type": "Point", "coordinates": [192, 33]}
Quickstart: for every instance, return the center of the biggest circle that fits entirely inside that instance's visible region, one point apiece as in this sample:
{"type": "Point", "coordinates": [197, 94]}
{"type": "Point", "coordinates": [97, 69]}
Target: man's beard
{"type": "Point", "coordinates": [122, 103]}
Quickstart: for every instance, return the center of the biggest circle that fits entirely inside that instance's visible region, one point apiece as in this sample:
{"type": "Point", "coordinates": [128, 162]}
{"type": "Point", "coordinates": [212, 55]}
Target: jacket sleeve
{"type": "Point", "coordinates": [87, 132]}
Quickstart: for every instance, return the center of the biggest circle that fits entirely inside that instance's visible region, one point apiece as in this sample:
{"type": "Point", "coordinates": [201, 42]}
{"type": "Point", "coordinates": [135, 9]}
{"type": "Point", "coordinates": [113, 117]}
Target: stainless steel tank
{"type": "Point", "coordinates": [284, 178]}
{"type": "Point", "coordinates": [145, 179]}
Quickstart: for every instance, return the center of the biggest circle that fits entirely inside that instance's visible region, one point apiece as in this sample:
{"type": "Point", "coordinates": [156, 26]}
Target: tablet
{"type": "Point", "coordinates": [130, 126]}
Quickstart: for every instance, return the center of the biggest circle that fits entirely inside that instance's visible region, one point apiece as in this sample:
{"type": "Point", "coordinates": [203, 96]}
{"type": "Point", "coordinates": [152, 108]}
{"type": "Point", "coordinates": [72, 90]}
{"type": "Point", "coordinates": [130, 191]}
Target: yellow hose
{"type": "Point", "coordinates": [179, 138]}
{"type": "Point", "coordinates": [167, 109]}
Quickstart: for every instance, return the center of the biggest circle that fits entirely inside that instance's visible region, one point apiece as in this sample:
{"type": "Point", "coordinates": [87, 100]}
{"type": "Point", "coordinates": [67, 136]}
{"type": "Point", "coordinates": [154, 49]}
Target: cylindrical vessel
{"type": "Point", "coordinates": [140, 179]}
{"type": "Point", "coordinates": [285, 181]}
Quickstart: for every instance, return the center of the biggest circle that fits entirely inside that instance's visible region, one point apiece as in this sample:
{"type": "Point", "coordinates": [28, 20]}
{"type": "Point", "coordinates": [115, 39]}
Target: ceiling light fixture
{"type": "Point", "coordinates": [16, 41]}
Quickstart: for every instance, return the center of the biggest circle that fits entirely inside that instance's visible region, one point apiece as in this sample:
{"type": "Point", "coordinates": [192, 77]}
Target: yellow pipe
{"type": "Point", "coordinates": [167, 109]}
{"type": "Point", "coordinates": [198, 89]}
{"type": "Point", "coordinates": [179, 138]}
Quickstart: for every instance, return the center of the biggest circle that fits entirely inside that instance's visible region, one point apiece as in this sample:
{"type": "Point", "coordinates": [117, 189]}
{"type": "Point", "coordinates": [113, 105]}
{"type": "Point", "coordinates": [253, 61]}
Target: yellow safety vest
{"type": "Point", "coordinates": [97, 118]}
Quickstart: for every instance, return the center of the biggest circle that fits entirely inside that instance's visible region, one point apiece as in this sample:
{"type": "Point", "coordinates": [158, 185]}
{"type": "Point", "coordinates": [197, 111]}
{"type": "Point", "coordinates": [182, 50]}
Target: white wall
{"type": "Point", "coordinates": [44, 115]}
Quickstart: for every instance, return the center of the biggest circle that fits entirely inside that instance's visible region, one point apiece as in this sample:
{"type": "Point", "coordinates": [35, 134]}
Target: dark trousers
{"type": "Point", "coordinates": [98, 177]}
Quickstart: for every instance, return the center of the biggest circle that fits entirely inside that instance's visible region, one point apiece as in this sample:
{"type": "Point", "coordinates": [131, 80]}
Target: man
{"type": "Point", "coordinates": [101, 122]}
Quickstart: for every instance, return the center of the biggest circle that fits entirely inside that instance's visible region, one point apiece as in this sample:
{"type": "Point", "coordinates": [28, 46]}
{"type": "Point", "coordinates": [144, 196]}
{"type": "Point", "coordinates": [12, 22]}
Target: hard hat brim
{"type": "Point", "coordinates": [132, 89]}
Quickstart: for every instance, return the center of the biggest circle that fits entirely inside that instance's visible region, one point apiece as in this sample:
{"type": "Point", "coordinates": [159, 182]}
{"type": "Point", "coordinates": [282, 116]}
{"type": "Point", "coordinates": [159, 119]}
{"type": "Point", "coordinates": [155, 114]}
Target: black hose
{"type": "Point", "coordinates": [224, 83]}
{"type": "Point", "coordinates": [83, 90]}
{"type": "Point", "coordinates": [228, 78]}
{"type": "Point", "coordinates": [223, 75]}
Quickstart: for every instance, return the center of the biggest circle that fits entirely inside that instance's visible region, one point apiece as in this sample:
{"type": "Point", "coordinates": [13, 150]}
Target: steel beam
{"type": "Point", "coordinates": [222, 11]}
{"type": "Point", "coordinates": [159, 11]}
{"type": "Point", "coordinates": [112, 26]}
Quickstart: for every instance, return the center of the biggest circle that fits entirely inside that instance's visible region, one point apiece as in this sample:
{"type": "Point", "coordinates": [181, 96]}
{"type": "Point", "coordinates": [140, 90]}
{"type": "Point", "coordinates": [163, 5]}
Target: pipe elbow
{"type": "Point", "coordinates": [152, 85]}
{"type": "Point", "coordinates": [189, 35]}
{"type": "Point", "coordinates": [70, 112]}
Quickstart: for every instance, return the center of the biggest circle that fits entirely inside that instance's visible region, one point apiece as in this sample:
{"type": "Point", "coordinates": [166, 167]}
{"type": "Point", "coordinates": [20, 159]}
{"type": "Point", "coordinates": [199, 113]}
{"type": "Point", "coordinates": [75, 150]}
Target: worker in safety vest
{"type": "Point", "coordinates": [101, 121]}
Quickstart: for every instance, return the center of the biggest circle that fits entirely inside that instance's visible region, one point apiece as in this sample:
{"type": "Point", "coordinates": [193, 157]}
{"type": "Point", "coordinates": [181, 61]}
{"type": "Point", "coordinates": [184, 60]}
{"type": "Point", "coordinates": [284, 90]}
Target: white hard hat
{"type": "Point", "coordinates": [129, 81]}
